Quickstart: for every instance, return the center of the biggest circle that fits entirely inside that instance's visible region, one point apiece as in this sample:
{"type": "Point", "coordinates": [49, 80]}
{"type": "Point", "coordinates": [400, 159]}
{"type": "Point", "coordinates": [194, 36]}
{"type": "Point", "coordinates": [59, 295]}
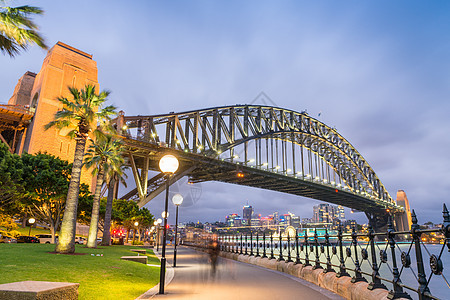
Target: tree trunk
{"type": "Point", "coordinates": [66, 243]}
{"type": "Point", "coordinates": [106, 240]}
{"type": "Point", "coordinates": [93, 227]}
{"type": "Point", "coordinates": [53, 233]}
{"type": "Point", "coordinates": [24, 221]}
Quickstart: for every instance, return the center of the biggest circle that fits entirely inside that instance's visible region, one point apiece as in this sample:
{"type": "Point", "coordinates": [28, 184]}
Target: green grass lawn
{"type": "Point", "coordinates": [100, 277]}
{"type": "Point", "coordinates": [34, 231]}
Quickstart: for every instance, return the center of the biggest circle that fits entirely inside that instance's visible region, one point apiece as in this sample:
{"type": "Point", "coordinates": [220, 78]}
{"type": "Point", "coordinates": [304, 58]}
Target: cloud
{"type": "Point", "coordinates": [379, 73]}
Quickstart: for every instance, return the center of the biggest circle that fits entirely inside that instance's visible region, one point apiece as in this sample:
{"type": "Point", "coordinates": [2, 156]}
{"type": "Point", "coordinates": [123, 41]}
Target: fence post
{"type": "Point", "coordinates": [257, 244]}
{"type": "Point", "coordinates": [232, 243]}
{"type": "Point", "coordinates": [342, 269]}
{"type": "Point", "coordinates": [264, 243]}
{"type": "Point", "coordinates": [446, 226]}
{"type": "Point", "coordinates": [358, 276]}
{"type": "Point", "coordinates": [327, 244]}
{"type": "Point", "coordinates": [289, 259]}
{"type": "Point", "coordinates": [297, 255]}
{"type": "Point", "coordinates": [280, 256]}
{"type": "Point", "coordinates": [424, 291]}
{"type": "Point", "coordinates": [271, 246]}
{"type": "Point", "coordinates": [246, 242]}
{"type": "Point", "coordinates": [224, 242]}
{"type": "Point", "coordinates": [316, 241]}
{"type": "Point", "coordinates": [397, 292]}
{"type": "Point", "coordinates": [376, 282]}
{"type": "Point", "coordinates": [251, 243]}
{"type": "Point", "coordinates": [241, 244]}
{"type": "Point", "coordinates": [306, 249]}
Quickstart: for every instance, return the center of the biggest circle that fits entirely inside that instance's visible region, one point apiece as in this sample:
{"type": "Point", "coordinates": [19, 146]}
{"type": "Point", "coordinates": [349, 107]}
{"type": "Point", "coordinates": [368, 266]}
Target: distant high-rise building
{"type": "Point", "coordinates": [247, 213]}
{"type": "Point", "coordinates": [341, 213]}
{"type": "Point", "coordinates": [327, 213]}
{"type": "Point", "coordinates": [232, 220]}
{"type": "Point", "coordinates": [276, 218]}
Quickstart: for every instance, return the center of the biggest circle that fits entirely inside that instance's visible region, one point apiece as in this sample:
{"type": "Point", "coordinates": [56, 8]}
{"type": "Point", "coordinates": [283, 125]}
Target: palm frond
{"type": "Point", "coordinates": [17, 30]}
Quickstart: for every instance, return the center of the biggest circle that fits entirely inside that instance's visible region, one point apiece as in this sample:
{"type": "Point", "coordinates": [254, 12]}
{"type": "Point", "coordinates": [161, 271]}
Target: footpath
{"type": "Point", "coordinates": [194, 278]}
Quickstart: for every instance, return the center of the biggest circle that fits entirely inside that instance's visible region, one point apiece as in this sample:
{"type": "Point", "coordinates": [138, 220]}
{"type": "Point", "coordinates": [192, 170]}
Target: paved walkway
{"type": "Point", "coordinates": [194, 279]}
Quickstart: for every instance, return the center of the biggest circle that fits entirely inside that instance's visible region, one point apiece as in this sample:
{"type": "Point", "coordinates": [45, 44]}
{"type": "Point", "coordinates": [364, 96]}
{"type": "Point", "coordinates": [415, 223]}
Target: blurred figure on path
{"type": "Point", "coordinates": [213, 254]}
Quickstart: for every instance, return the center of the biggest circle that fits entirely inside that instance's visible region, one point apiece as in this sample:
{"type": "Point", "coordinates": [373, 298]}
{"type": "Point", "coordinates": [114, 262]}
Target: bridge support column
{"type": "Point", "coordinates": [378, 221]}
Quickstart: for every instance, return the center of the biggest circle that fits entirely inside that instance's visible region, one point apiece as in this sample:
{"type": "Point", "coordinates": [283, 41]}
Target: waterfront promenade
{"type": "Point", "coordinates": [194, 279]}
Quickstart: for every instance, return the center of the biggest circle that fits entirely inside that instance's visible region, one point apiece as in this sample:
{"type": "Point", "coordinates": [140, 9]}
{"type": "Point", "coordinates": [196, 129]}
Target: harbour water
{"type": "Point", "coordinates": [438, 284]}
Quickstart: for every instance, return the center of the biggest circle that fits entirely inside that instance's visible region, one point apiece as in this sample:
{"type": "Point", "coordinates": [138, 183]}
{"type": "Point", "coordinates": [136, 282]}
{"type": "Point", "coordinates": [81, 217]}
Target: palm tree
{"type": "Point", "coordinates": [105, 155]}
{"type": "Point", "coordinates": [116, 175]}
{"type": "Point", "coordinates": [79, 116]}
{"type": "Point", "coordinates": [17, 30]}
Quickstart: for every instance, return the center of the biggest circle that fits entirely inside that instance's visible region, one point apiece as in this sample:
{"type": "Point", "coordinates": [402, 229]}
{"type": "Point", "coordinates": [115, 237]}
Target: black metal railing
{"type": "Point", "coordinates": [365, 256]}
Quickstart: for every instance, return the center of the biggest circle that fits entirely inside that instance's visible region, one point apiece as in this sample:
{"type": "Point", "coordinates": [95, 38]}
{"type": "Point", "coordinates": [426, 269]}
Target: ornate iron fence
{"type": "Point", "coordinates": [363, 256]}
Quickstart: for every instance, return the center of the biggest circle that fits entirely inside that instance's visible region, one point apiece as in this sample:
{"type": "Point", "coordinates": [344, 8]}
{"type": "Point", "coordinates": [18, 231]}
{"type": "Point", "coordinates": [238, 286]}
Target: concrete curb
{"type": "Point", "coordinates": [341, 286]}
{"type": "Point", "coordinates": [155, 290]}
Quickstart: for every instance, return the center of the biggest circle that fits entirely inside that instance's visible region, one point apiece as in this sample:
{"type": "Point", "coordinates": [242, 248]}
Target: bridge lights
{"type": "Point", "coordinates": [168, 165]}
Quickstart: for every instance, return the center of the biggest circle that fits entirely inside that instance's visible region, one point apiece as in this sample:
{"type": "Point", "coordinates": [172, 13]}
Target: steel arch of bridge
{"type": "Point", "coordinates": [275, 148]}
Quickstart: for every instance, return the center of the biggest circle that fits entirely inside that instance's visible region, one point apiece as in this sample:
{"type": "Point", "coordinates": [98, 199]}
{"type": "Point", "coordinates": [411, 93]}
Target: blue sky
{"type": "Point", "coordinates": [378, 71]}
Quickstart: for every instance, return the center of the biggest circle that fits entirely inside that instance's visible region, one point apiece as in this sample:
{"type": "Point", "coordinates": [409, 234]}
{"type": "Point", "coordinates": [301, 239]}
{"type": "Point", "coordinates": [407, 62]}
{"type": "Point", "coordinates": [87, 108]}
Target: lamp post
{"type": "Point", "coordinates": [168, 165]}
{"type": "Point", "coordinates": [177, 199]}
{"type": "Point", "coordinates": [136, 224]}
{"type": "Point", "coordinates": [157, 222]}
{"type": "Point", "coordinates": [31, 222]}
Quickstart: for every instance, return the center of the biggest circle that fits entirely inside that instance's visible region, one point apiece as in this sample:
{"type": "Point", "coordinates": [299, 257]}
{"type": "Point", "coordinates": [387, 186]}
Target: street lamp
{"type": "Point", "coordinates": [157, 222]}
{"type": "Point", "coordinates": [31, 222]}
{"type": "Point", "coordinates": [177, 199]}
{"type": "Point", "coordinates": [136, 224]}
{"type": "Point", "coordinates": [168, 164]}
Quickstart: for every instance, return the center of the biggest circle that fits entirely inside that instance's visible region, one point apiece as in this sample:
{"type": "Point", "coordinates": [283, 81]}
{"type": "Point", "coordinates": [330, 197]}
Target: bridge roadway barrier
{"type": "Point", "coordinates": [341, 286]}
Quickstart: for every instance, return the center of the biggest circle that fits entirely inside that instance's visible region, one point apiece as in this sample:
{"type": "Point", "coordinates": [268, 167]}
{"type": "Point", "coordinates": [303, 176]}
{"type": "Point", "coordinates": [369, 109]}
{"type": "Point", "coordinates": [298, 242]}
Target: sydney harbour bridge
{"type": "Point", "coordinates": [258, 146]}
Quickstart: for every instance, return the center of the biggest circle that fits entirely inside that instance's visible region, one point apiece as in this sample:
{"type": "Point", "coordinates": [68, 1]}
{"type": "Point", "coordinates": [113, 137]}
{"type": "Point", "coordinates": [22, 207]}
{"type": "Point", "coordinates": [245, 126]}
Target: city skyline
{"type": "Point", "coordinates": [375, 71]}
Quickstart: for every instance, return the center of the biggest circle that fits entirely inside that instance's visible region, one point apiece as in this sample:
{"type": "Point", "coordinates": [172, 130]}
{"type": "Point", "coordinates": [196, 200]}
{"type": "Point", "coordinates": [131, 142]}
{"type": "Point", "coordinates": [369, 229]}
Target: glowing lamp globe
{"type": "Point", "coordinates": [163, 214]}
{"type": "Point", "coordinates": [136, 223]}
{"type": "Point", "coordinates": [31, 220]}
{"type": "Point", "coordinates": [177, 199]}
{"type": "Point", "coordinates": [155, 223]}
{"type": "Point", "coordinates": [168, 164]}
{"type": "Point", "coordinates": [159, 220]}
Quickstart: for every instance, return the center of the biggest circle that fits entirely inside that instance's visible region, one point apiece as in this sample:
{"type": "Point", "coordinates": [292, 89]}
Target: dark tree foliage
{"type": "Point", "coordinates": [11, 187]}
{"type": "Point", "coordinates": [36, 185]}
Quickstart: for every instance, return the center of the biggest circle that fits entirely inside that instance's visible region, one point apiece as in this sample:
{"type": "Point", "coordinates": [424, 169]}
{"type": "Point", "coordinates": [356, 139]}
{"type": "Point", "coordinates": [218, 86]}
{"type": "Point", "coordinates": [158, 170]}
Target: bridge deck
{"type": "Point", "coordinates": [211, 169]}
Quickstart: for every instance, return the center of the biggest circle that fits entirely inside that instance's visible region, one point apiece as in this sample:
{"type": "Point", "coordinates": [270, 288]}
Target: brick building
{"type": "Point", "coordinates": [63, 66]}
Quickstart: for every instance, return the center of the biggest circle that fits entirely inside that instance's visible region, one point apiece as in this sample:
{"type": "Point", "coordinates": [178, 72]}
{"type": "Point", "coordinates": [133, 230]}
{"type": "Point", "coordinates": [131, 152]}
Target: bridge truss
{"type": "Point", "coordinates": [258, 146]}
